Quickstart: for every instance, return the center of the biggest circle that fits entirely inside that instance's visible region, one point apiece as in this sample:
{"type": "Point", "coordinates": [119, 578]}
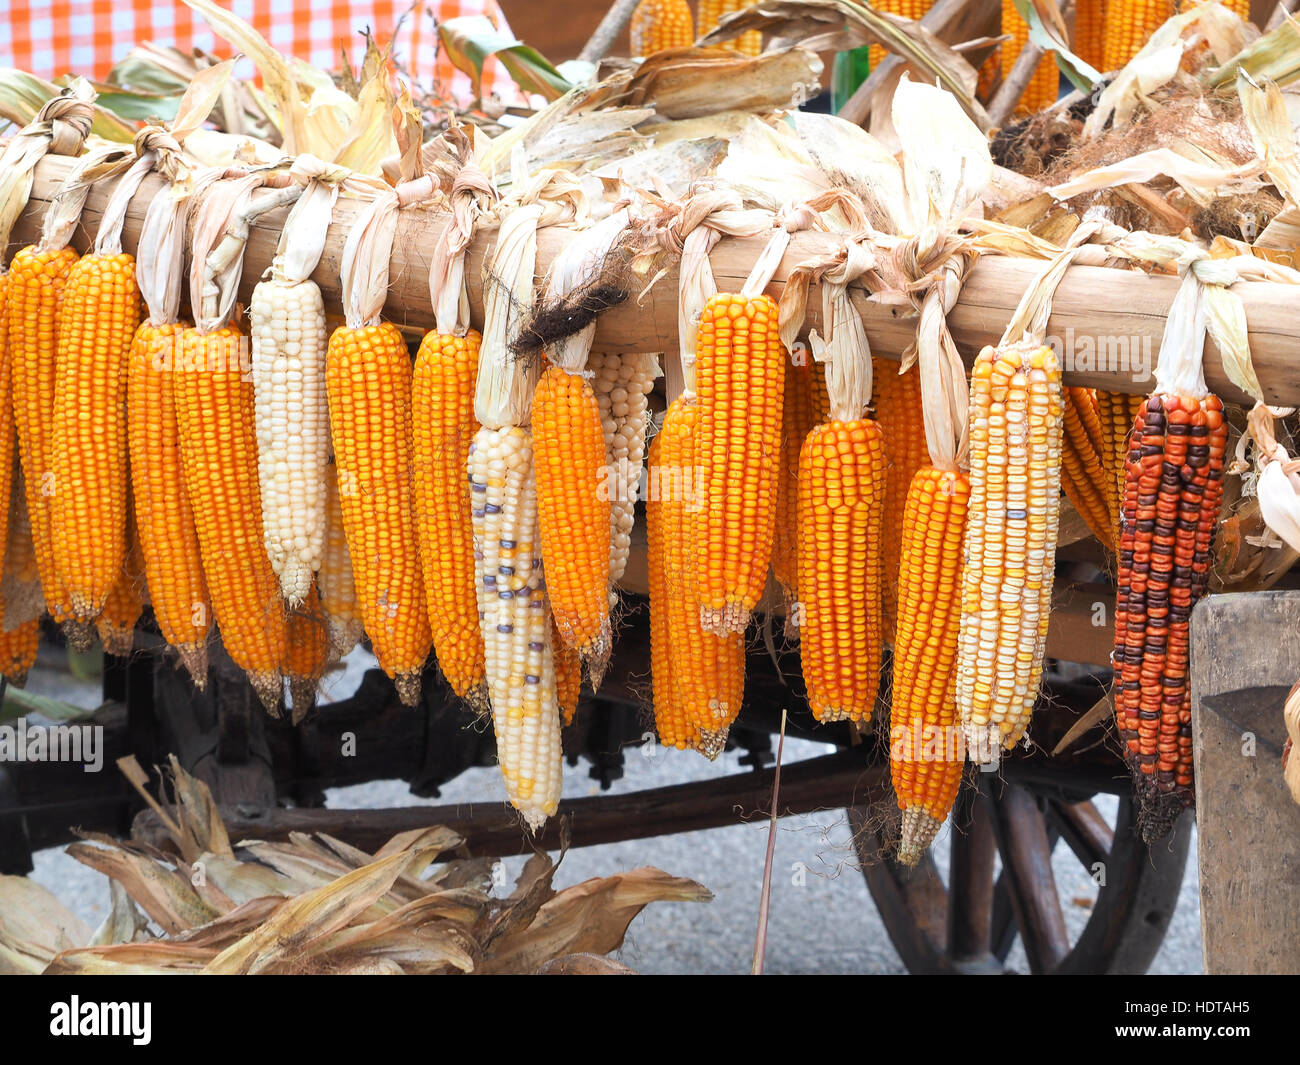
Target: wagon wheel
{"type": "Point", "coordinates": [971, 930]}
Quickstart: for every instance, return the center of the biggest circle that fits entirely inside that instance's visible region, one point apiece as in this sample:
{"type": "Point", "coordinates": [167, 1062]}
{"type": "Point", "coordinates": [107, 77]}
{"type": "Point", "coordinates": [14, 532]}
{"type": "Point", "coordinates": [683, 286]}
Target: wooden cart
{"type": "Point", "coordinates": [1013, 818]}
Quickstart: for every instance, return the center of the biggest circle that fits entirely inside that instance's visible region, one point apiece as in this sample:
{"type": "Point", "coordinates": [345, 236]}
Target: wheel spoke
{"type": "Point", "coordinates": [1084, 830]}
{"type": "Point", "coordinates": [1021, 833]}
{"type": "Point", "coordinates": [970, 880]}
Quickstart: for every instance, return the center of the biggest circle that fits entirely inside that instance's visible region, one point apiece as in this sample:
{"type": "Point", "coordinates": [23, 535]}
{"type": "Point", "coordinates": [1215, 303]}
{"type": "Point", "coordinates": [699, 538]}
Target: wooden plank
{"type": "Point", "coordinates": [1244, 661]}
{"type": "Point", "coordinates": [492, 829]}
{"type": "Point", "coordinates": [1122, 311]}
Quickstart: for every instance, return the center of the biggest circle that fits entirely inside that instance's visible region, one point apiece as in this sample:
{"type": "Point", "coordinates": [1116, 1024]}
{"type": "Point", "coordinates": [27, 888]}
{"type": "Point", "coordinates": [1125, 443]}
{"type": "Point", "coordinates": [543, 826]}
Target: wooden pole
{"type": "Point", "coordinates": [1107, 322]}
{"type": "Point", "coordinates": [614, 23]}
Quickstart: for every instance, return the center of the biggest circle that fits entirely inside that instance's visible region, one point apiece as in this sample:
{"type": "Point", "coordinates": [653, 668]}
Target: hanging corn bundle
{"type": "Point", "coordinates": [573, 482]}
{"type": "Point", "coordinates": [660, 24]}
{"type": "Point", "coordinates": [511, 581]}
{"type": "Point", "coordinates": [369, 385]}
{"type": "Point", "coordinates": [216, 425]}
{"type": "Point", "coordinates": [33, 293]}
{"type": "Point", "coordinates": [442, 392]}
{"type": "Point", "coordinates": [98, 319]}
{"type": "Point", "coordinates": [1172, 491]}
{"type": "Point", "coordinates": [287, 330]}
{"type": "Point", "coordinates": [1016, 416]}
{"type": "Point", "coordinates": [842, 476]}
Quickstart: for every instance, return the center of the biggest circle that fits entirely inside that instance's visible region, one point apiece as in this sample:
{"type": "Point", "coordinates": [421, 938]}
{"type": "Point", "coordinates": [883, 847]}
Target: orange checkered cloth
{"type": "Point", "coordinates": [55, 37]}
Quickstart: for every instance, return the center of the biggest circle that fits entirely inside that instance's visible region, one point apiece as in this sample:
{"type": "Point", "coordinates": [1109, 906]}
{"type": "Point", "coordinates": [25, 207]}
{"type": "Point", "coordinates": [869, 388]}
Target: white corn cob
{"type": "Point", "coordinates": [621, 384]}
{"type": "Point", "coordinates": [516, 620]}
{"type": "Point", "coordinates": [338, 594]}
{"type": "Point", "coordinates": [1010, 545]}
{"type": "Point", "coordinates": [289, 343]}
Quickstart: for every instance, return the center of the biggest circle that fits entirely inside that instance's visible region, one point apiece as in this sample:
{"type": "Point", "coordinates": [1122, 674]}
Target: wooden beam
{"type": "Point", "coordinates": [492, 829]}
{"type": "Point", "coordinates": [1121, 311]}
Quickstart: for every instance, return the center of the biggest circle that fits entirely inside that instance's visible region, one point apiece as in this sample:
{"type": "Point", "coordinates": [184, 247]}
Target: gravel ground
{"type": "Point", "coordinates": [821, 920]}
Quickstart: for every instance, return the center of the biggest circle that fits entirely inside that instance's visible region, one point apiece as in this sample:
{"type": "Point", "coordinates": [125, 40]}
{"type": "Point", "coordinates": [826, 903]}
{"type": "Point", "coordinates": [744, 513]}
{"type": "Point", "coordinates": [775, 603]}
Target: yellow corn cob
{"type": "Point", "coordinates": [913, 9]}
{"type": "Point", "coordinates": [18, 647]}
{"type": "Point", "coordinates": [568, 677]}
{"type": "Point", "coordinates": [1010, 547]}
{"type": "Point", "coordinates": [925, 758]}
{"type": "Point", "coordinates": [20, 600]}
{"type": "Point", "coordinates": [711, 11]}
{"type": "Point", "coordinates": [706, 669]}
{"type": "Point", "coordinates": [369, 384]}
{"type": "Point", "coordinates": [288, 336]}
{"type": "Point", "coordinates": [574, 512]}
{"type": "Point", "coordinates": [1090, 22]}
{"type": "Point", "coordinates": [1129, 25]}
{"type": "Point", "coordinates": [1116, 412]}
{"type": "Point", "coordinates": [97, 321]}
{"type": "Point", "coordinates": [214, 416]}
{"type": "Point", "coordinates": [34, 292]}
{"type": "Point", "coordinates": [516, 623]}
{"type": "Point", "coordinates": [990, 72]}
{"type": "Point", "coordinates": [622, 384]}
{"type": "Point", "coordinates": [842, 477]}
{"type": "Point", "coordinates": [898, 412]}
{"type": "Point", "coordinates": [125, 602]}
{"type": "Point", "coordinates": [671, 722]}
{"type": "Point", "coordinates": [338, 592]}
{"type": "Point", "coordinates": [7, 437]}
{"type": "Point", "coordinates": [164, 518]}
{"type": "Point", "coordinates": [740, 372]}
{"type": "Point", "coordinates": [806, 404]}
{"type": "Point", "coordinates": [1082, 476]}
{"type": "Point", "coordinates": [307, 653]}
{"type": "Point", "coordinates": [1043, 87]}
{"type": "Point", "coordinates": [442, 396]}
{"type": "Point", "coordinates": [660, 24]}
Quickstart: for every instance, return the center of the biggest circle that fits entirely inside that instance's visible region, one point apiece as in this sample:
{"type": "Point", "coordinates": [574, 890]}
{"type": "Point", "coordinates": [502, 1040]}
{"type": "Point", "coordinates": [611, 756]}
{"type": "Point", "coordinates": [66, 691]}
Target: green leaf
{"type": "Point", "coordinates": [471, 39]}
{"type": "Point", "coordinates": [139, 106]}
{"type": "Point", "coordinates": [18, 702]}
{"type": "Point", "coordinates": [1082, 76]}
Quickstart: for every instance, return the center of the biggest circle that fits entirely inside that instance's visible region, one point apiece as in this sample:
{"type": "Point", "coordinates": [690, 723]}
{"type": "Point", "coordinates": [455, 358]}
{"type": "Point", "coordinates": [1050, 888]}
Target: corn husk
{"type": "Point", "coordinates": [1290, 762]}
{"type": "Point", "coordinates": [578, 265]}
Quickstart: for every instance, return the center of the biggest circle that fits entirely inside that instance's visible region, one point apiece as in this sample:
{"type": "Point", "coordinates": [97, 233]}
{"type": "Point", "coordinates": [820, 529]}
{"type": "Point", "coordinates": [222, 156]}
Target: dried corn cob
{"type": "Point", "coordinates": [369, 385]}
{"type": "Point", "coordinates": [288, 338]}
{"type": "Point", "coordinates": [116, 622]}
{"type": "Point", "coordinates": [443, 407]}
{"type": "Point", "coordinates": [622, 384]}
{"type": "Point", "coordinates": [842, 477]}
{"type": "Point", "coordinates": [740, 368]}
{"type": "Point", "coordinates": [215, 420]}
{"type": "Point", "coordinates": [670, 719]}
{"type": "Point", "coordinates": [568, 677]}
{"type": "Point", "coordinates": [1090, 24]}
{"type": "Point", "coordinates": [923, 717]}
{"type": "Point", "coordinates": [1082, 475]}
{"type": "Point", "coordinates": [97, 321]}
{"type": "Point", "coordinates": [307, 652]}
{"type": "Point", "coordinates": [711, 11]}
{"type": "Point", "coordinates": [660, 24]}
{"type": "Point", "coordinates": [7, 431]}
{"type": "Point", "coordinates": [516, 624]}
{"type": "Point", "coordinates": [35, 290]}
{"type": "Point", "coordinates": [804, 406]}
{"type": "Point", "coordinates": [1116, 412]}
{"type": "Point", "coordinates": [913, 9]}
{"type": "Point", "coordinates": [898, 412]}
{"type": "Point", "coordinates": [1010, 547]}
{"type": "Point", "coordinates": [1129, 25]}
{"type": "Point", "coordinates": [18, 648]}
{"type": "Point", "coordinates": [1172, 493]}
{"type": "Point", "coordinates": [574, 512]}
{"type": "Point", "coordinates": [337, 590]}
{"type": "Point", "coordinates": [1044, 86]}
{"type": "Point", "coordinates": [705, 669]}
{"type": "Point", "coordinates": [164, 518]}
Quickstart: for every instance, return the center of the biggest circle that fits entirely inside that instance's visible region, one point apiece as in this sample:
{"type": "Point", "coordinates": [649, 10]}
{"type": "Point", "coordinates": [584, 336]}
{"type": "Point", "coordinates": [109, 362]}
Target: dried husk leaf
{"type": "Point", "coordinates": [1202, 182]}
{"type": "Point", "coordinates": [64, 211]}
{"type": "Point", "coordinates": [472, 196]}
{"type": "Point", "coordinates": [1180, 368]}
{"type": "Point", "coordinates": [132, 959]}
{"type": "Point", "coordinates": [34, 926]}
{"type": "Point", "coordinates": [591, 917]}
{"type": "Point", "coordinates": [124, 923]}
{"type": "Point", "coordinates": [1290, 762]}
{"type": "Point", "coordinates": [216, 255]}
{"type": "Point", "coordinates": [579, 264]}
{"type": "Point", "coordinates": [164, 895]}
